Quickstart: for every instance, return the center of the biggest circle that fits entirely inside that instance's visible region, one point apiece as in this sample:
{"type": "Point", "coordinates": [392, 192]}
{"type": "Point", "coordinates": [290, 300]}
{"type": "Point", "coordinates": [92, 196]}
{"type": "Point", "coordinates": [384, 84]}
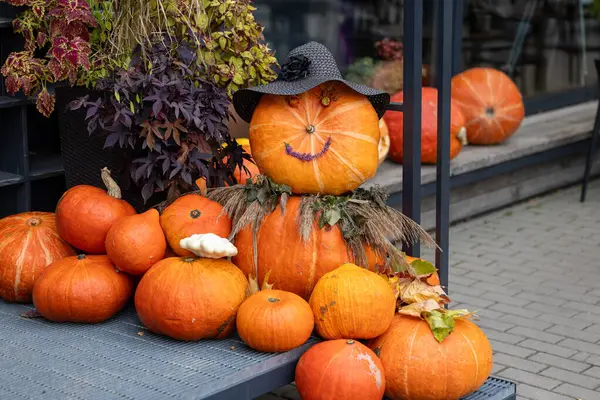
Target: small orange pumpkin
{"type": "Point", "coordinates": [352, 303]}
{"type": "Point", "coordinates": [395, 122]}
{"type": "Point", "coordinates": [135, 243]}
{"type": "Point", "coordinates": [28, 244]}
{"type": "Point", "coordinates": [340, 369]}
{"type": "Point", "coordinates": [85, 214]}
{"type": "Point", "coordinates": [323, 141]}
{"type": "Point", "coordinates": [191, 214]}
{"type": "Point", "coordinates": [191, 298]}
{"type": "Point", "coordinates": [85, 289]}
{"type": "Point", "coordinates": [274, 321]}
{"type": "Point", "coordinates": [411, 356]}
{"type": "Point", "coordinates": [384, 141]}
{"type": "Point", "coordinates": [491, 102]}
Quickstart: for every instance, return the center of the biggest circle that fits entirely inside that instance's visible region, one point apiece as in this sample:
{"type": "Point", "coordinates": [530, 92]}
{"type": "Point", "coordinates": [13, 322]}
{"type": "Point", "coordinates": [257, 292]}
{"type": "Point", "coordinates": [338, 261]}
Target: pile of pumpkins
{"type": "Point", "coordinates": [190, 283]}
{"type": "Point", "coordinates": [486, 109]}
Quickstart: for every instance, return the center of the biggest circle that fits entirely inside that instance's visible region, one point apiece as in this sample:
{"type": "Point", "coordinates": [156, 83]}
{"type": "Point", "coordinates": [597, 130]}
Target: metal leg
{"type": "Point", "coordinates": [411, 158]}
{"type": "Point", "coordinates": [457, 36]}
{"type": "Point", "coordinates": [443, 79]}
{"type": "Point", "coordinates": [593, 145]}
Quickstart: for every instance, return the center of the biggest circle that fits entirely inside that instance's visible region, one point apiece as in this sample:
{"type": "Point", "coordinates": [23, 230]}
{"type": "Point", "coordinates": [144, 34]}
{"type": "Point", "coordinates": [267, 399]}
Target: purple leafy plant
{"type": "Point", "coordinates": [173, 119]}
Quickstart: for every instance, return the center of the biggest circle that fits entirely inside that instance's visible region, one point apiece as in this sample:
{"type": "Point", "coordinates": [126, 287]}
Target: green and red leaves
{"type": "Point", "coordinates": [45, 103]}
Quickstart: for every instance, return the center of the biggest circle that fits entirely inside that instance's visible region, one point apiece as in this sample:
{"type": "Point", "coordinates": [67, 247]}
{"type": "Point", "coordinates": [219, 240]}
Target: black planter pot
{"type": "Point", "coordinates": [84, 155]}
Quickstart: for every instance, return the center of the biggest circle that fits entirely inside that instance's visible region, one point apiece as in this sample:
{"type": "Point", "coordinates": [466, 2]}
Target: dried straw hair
{"type": "Point", "coordinates": [365, 219]}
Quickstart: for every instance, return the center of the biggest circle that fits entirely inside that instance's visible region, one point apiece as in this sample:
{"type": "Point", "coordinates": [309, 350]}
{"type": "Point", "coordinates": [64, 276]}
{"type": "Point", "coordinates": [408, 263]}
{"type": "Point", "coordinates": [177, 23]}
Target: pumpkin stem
{"type": "Point", "coordinates": [350, 341]}
{"type": "Point", "coordinates": [273, 300]}
{"type": "Point", "coordinates": [111, 186]}
{"type": "Point", "coordinates": [81, 257]}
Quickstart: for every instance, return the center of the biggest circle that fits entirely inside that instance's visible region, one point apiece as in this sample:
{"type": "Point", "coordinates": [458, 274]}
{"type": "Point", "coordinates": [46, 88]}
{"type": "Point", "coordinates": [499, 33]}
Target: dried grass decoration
{"type": "Point", "coordinates": [362, 216]}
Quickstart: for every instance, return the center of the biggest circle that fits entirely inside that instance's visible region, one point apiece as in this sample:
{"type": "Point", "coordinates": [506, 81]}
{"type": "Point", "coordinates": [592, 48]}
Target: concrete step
{"type": "Point", "coordinates": [547, 153]}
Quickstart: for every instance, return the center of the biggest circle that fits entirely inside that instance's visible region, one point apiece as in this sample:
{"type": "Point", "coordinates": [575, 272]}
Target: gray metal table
{"type": "Point", "coordinates": [119, 359]}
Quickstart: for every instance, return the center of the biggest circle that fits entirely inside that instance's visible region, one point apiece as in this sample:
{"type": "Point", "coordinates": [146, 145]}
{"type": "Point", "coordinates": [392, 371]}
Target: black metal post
{"type": "Point", "coordinates": [444, 39]}
{"type": "Point", "coordinates": [593, 144]}
{"type": "Point", "coordinates": [411, 151]}
{"type": "Point", "coordinates": [457, 36]}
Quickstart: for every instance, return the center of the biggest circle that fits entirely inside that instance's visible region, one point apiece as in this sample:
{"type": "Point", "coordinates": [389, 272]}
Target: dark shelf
{"type": "Point", "coordinates": [45, 165]}
{"type": "Point", "coordinates": [10, 101]}
{"type": "Point", "coordinates": [7, 179]}
{"type": "Point", "coordinates": [5, 22]}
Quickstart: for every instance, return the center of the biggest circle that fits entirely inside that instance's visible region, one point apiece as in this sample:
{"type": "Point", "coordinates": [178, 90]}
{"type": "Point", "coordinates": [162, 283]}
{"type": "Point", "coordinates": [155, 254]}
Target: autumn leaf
{"type": "Point", "coordinates": [422, 267]}
{"type": "Point", "coordinates": [416, 309]}
{"type": "Point", "coordinates": [441, 324]}
{"type": "Point", "coordinates": [392, 281]}
{"type": "Point", "coordinates": [416, 291]}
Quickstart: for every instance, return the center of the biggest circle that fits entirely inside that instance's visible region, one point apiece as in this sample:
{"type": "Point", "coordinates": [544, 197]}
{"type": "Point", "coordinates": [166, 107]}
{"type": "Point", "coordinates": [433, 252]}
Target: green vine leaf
{"type": "Point", "coordinates": [441, 324]}
{"type": "Point", "coordinates": [422, 267]}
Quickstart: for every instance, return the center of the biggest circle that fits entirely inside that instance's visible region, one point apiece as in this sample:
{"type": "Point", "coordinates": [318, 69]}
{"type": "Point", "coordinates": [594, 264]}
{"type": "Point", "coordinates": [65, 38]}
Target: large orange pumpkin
{"type": "Point", "coordinates": [191, 298]}
{"type": "Point", "coordinates": [274, 321]}
{"type": "Point", "coordinates": [135, 243]}
{"type": "Point", "coordinates": [340, 369]}
{"type": "Point", "coordinates": [395, 122]}
{"type": "Point", "coordinates": [84, 214]}
{"type": "Point", "coordinates": [295, 265]}
{"type": "Point", "coordinates": [352, 303]}
{"type": "Point", "coordinates": [191, 214]}
{"type": "Point", "coordinates": [86, 289]}
{"type": "Point", "coordinates": [28, 244]}
{"type": "Point", "coordinates": [417, 367]}
{"type": "Point", "coordinates": [491, 102]}
{"type": "Point", "coordinates": [321, 141]}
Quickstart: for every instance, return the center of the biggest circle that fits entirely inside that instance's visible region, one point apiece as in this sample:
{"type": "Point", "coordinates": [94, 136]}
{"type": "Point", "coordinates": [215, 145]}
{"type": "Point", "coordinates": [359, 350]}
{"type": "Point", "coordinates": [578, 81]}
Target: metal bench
{"type": "Point", "coordinates": [119, 359]}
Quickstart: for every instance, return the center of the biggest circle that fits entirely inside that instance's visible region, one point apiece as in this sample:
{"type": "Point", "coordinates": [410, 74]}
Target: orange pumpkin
{"type": "Point", "coordinates": [239, 174]}
{"type": "Point", "coordinates": [274, 321]}
{"type": "Point", "coordinates": [191, 214]}
{"type": "Point", "coordinates": [321, 141]}
{"type": "Point", "coordinates": [191, 298]}
{"type": "Point", "coordinates": [352, 303]}
{"type": "Point", "coordinates": [384, 141]}
{"type": "Point", "coordinates": [295, 265]}
{"type": "Point", "coordinates": [411, 357]}
{"type": "Point", "coordinates": [85, 214]}
{"type": "Point", "coordinates": [491, 102]}
{"type": "Point", "coordinates": [85, 289]}
{"type": "Point", "coordinates": [395, 122]}
{"type": "Point", "coordinates": [340, 369]}
{"type": "Point", "coordinates": [135, 243]}
{"type": "Point", "coordinates": [29, 243]}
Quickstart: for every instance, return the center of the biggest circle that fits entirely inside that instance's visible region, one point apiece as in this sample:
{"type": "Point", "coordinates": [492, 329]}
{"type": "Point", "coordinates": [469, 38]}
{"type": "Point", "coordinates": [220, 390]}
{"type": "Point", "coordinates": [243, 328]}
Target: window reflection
{"type": "Point", "coordinates": [545, 45]}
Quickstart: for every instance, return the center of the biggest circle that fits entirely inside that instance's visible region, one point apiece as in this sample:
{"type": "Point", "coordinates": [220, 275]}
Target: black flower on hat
{"type": "Point", "coordinates": [295, 67]}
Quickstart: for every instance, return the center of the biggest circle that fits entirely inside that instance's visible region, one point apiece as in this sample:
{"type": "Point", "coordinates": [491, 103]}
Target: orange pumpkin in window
{"type": "Point", "coordinates": [429, 102]}
{"type": "Point", "coordinates": [323, 141]}
{"type": "Point", "coordinates": [384, 140]}
{"type": "Point", "coordinates": [491, 102]}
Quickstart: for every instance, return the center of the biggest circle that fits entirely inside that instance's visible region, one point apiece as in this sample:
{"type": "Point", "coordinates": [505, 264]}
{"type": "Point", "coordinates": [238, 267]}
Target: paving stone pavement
{"type": "Point", "coordinates": [533, 272]}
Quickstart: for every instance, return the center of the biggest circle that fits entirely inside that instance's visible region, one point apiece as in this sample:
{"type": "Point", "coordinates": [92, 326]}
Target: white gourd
{"type": "Point", "coordinates": [209, 245]}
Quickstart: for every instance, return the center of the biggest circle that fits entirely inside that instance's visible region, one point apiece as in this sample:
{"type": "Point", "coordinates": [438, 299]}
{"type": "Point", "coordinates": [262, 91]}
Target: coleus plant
{"type": "Point", "coordinates": [176, 121]}
{"type": "Point", "coordinates": [57, 47]}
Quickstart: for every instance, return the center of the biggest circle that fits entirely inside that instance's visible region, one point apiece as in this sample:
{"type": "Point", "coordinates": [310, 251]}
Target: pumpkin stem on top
{"type": "Point", "coordinates": [111, 186]}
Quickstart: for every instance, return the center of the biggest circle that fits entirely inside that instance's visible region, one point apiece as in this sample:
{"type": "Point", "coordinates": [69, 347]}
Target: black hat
{"type": "Point", "coordinates": [304, 68]}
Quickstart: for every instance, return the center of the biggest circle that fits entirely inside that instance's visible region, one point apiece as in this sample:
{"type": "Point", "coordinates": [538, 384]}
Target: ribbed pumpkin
{"type": "Point", "coordinates": [85, 214]}
{"type": "Point", "coordinates": [135, 243]}
{"type": "Point", "coordinates": [491, 102]}
{"type": "Point", "coordinates": [295, 266]}
{"type": "Point", "coordinates": [28, 244]}
{"type": "Point", "coordinates": [417, 367]}
{"type": "Point", "coordinates": [191, 214]}
{"type": "Point", "coordinates": [395, 122]}
{"type": "Point", "coordinates": [340, 369]}
{"type": "Point", "coordinates": [352, 303]}
{"type": "Point", "coordinates": [274, 321]}
{"type": "Point", "coordinates": [191, 298]}
{"type": "Point", "coordinates": [384, 141]}
{"type": "Point", "coordinates": [321, 141]}
{"type": "Point", "coordinates": [85, 289]}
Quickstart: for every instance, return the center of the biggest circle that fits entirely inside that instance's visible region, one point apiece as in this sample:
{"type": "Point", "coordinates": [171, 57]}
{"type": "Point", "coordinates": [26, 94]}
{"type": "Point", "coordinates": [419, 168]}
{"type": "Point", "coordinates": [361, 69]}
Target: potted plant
{"type": "Point", "coordinates": [149, 93]}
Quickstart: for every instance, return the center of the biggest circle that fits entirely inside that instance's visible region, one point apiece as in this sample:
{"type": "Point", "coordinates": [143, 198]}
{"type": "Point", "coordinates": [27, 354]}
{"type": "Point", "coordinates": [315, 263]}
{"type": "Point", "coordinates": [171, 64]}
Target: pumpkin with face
{"type": "Point", "coordinates": [324, 140]}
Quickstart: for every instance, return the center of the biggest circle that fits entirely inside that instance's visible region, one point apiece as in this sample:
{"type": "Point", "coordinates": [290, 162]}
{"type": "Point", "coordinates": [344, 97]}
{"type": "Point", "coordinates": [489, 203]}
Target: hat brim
{"type": "Point", "coordinates": [246, 100]}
